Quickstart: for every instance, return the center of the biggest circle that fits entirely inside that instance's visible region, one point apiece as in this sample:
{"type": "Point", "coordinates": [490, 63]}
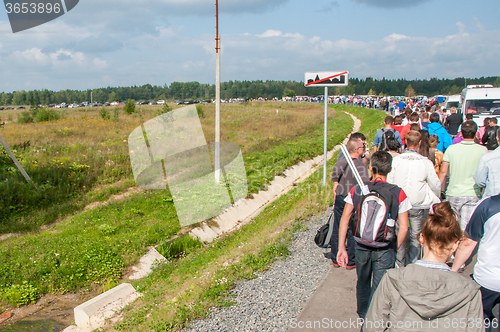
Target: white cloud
{"type": "Point", "coordinates": [391, 4]}
{"type": "Point", "coordinates": [270, 33]}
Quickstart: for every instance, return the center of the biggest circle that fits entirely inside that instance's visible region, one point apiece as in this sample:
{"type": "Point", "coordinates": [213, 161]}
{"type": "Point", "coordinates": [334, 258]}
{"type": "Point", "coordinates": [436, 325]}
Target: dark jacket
{"type": "Point", "coordinates": [490, 138]}
{"type": "Point", "coordinates": [453, 121]}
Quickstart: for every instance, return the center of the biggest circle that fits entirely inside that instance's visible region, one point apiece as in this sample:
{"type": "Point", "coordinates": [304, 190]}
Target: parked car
{"type": "Point", "coordinates": [20, 108]}
{"type": "Point", "coordinates": [9, 108]}
{"type": "Point", "coordinates": [153, 102]}
{"type": "Point", "coordinates": [144, 102]}
{"type": "Point", "coordinates": [106, 104]}
{"type": "Point", "coordinates": [160, 102]}
{"type": "Point", "coordinates": [1, 108]}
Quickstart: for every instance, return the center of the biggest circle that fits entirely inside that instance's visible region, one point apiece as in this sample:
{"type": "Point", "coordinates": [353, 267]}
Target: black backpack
{"type": "Point", "coordinates": [324, 234]}
{"type": "Point", "coordinates": [372, 222]}
{"type": "Point", "coordinates": [386, 135]}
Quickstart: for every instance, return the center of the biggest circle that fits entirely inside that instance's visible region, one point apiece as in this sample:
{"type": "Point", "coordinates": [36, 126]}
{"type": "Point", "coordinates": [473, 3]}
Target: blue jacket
{"type": "Point", "coordinates": [435, 128]}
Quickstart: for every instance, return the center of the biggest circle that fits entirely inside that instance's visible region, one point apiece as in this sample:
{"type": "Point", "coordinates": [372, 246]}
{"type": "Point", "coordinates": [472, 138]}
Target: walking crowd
{"type": "Point", "coordinates": [410, 216]}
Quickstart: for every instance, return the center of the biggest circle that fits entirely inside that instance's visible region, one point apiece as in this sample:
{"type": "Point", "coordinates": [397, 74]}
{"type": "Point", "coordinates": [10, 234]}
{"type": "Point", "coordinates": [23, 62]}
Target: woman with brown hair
{"type": "Point", "coordinates": [427, 295]}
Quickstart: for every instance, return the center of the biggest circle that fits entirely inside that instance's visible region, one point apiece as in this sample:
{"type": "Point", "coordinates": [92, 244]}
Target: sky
{"type": "Point", "coordinates": [134, 42]}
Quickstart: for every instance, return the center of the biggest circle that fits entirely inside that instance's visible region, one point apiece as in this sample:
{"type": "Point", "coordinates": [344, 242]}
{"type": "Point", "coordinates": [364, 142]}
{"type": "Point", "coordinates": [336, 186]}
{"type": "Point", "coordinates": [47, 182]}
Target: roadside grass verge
{"type": "Point", "coordinates": [94, 248]}
{"type": "Point", "coordinates": [182, 290]}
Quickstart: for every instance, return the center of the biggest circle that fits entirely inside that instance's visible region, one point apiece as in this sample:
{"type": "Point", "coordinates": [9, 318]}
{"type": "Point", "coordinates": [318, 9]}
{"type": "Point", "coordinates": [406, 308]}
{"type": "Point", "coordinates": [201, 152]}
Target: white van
{"type": "Point", "coordinates": [453, 100]}
{"type": "Point", "coordinates": [483, 101]}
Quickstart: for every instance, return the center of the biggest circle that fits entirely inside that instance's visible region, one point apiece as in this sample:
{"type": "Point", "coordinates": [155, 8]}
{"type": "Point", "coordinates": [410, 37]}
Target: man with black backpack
{"type": "Point", "coordinates": [374, 215]}
{"type": "Point", "coordinates": [380, 141]}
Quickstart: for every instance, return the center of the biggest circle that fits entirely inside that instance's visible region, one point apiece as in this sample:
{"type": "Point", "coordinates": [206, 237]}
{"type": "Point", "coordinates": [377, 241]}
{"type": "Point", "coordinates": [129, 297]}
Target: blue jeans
{"type": "Point", "coordinates": [370, 268]}
{"type": "Point", "coordinates": [410, 250]}
{"type": "Point", "coordinates": [334, 241]}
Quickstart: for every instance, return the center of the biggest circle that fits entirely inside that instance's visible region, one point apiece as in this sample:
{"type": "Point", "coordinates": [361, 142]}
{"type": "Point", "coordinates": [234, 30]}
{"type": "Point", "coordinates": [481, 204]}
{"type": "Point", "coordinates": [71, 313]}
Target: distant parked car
{"type": "Point", "coordinates": [179, 102]}
{"type": "Point", "coordinates": [161, 102]}
{"type": "Point", "coordinates": [144, 102]}
{"type": "Point", "coordinates": [9, 108]}
{"type": "Point", "coordinates": [106, 104]}
{"type": "Point", "coordinates": [20, 108]}
{"type": "Point", "coordinates": [1, 108]}
{"type": "Point", "coordinates": [153, 102]}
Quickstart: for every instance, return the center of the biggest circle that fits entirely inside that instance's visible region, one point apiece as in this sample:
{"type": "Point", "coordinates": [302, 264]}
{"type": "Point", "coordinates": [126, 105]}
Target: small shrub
{"type": "Point", "coordinates": [129, 106]}
{"type": "Point", "coordinates": [199, 110]}
{"type": "Point", "coordinates": [115, 114]}
{"type": "Point", "coordinates": [25, 117]}
{"type": "Point", "coordinates": [178, 246]}
{"type": "Point", "coordinates": [104, 113]}
{"type": "Point", "coordinates": [45, 114]}
{"type": "Point", "coordinates": [165, 109]}
{"type": "Point", "coordinates": [21, 294]}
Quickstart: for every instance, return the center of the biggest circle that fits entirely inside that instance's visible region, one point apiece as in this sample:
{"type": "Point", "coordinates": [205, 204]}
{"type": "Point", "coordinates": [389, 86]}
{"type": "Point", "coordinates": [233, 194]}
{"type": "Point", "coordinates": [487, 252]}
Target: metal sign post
{"type": "Point", "coordinates": [325, 136]}
{"type": "Point", "coordinates": [326, 79]}
{"type": "Point", "coordinates": [217, 95]}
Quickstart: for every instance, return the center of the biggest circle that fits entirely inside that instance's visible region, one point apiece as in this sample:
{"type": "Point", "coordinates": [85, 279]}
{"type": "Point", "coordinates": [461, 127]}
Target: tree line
{"type": "Point", "coordinates": [244, 89]}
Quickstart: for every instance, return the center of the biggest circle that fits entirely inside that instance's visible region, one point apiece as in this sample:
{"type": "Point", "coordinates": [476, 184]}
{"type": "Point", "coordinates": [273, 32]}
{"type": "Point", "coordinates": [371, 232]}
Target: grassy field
{"type": "Point", "coordinates": [92, 250]}
{"type": "Point", "coordinates": [82, 157]}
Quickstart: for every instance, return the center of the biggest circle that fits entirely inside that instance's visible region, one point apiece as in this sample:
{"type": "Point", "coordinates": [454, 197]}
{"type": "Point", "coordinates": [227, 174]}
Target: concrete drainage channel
{"type": "Point", "coordinates": [92, 314]}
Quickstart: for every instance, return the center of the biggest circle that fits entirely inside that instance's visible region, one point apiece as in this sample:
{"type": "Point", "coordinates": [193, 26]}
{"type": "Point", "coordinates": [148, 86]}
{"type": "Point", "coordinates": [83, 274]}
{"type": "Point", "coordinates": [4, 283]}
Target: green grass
{"type": "Point", "coordinates": [95, 247]}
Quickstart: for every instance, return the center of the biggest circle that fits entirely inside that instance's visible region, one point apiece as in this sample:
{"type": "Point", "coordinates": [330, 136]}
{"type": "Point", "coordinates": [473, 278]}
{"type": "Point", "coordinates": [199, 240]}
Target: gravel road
{"type": "Point", "coordinates": [268, 302]}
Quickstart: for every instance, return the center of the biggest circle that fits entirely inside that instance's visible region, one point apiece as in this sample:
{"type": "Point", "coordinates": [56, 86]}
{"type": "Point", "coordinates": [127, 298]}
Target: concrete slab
{"type": "Point", "coordinates": [144, 268]}
{"type": "Point", "coordinates": [104, 306]}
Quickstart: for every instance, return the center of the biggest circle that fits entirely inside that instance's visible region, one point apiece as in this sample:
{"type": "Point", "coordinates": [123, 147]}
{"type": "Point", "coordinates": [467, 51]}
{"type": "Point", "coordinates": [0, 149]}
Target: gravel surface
{"type": "Point", "coordinates": [268, 302]}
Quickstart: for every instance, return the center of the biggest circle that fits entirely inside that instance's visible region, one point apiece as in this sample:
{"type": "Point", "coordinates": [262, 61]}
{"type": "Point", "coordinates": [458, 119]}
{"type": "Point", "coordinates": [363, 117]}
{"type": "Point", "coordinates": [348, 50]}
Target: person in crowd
{"type": "Point", "coordinates": [435, 128]}
{"type": "Point", "coordinates": [406, 119]}
{"type": "Point", "coordinates": [366, 156]}
{"type": "Point", "coordinates": [461, 160]}
{"type": "Point", "coordinates": [484, 228]}
{"type": "Point", "coordinates": [343, 180]}
{"type": "Point", "coordinates": [489, 138]}
{"type": "Point", "coordinates": [459, 138]}
{"type": "Point", "coordinates": [487, 174]}
{"type": "Point", "coordinates": [425, 120]}
{"type": "Point", "coordinates": [435, 153]}
{"type": "Point", "coordinates": [428, 295]}
{"type": "Point", "coordinates": [380, 137]}
{"type": "Point", "coordinates": [415, 174]}
{"type": "Point", "coordinates": [424, 148]}
{"type": "Point", "coordinates": [398, 120]}
{"type": "Point", "coordinates": [482, 129]}
{"type": "Point", "coordinates": [453, 122]}
{"type": "Point", "coordinates": [393, 146]}
{"type": "Point", "coordinates": [412, 120]}
{"type": "Point", "coordinates": [371, 262]}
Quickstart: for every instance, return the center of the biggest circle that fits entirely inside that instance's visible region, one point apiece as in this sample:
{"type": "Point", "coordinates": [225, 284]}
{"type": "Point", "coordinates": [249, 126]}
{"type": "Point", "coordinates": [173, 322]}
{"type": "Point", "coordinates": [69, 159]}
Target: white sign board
{"type": "Point", "coordinates": [327, 78]}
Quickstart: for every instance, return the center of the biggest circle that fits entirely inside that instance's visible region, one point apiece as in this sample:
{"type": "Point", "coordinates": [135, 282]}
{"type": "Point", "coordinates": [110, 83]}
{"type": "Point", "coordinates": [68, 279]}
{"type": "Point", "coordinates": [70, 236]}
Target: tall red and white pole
{"type": "Point", "coordinates": [217, 94]}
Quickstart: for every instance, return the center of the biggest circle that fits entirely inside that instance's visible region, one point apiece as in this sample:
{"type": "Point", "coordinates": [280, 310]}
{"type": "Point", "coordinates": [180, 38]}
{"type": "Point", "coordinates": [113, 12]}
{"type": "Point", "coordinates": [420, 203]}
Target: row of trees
{"type": "Point", "coordinates": [244, 89]}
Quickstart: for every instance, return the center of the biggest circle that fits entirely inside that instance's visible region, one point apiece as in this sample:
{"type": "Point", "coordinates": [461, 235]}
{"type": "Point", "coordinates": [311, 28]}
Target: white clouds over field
{"type": "Point", "coordinates": [133, 43]}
